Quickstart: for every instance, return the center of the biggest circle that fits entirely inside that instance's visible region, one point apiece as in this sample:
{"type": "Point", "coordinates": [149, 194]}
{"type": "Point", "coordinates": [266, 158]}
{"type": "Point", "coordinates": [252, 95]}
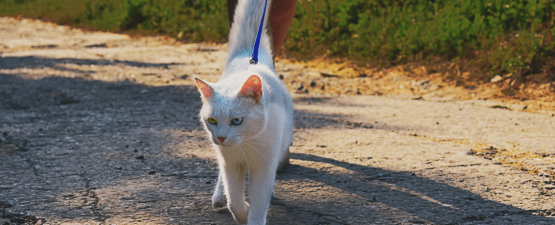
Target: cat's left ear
{"type": "Point", "coordinates": [252, 88]}
{"type": "Point", "coordinates": [204, 88]}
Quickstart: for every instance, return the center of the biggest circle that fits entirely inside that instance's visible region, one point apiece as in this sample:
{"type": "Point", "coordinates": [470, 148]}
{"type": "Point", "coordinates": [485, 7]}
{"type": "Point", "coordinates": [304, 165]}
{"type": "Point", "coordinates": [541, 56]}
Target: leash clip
{"type": "Point", "coordinates": [254, 57]}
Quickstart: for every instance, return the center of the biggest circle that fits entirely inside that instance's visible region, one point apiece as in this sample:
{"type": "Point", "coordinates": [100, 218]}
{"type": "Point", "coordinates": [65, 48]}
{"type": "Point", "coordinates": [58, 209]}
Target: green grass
{"type": "Point", "coordinates": [496, 36]}
{"type": "Point", "coordinates": [190, 20]}
{"type": "Point", "coordinates": [499, 36]}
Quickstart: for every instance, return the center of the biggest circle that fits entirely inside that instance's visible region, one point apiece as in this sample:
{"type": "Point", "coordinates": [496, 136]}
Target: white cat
{"type": "Point", "coordinates": [248, 115]}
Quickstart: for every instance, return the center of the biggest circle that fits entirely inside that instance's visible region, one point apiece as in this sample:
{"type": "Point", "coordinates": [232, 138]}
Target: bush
{"type": "Point", "coordinates": [187, 20]}
{"type": "Point", "coordinates": [501, 36]}
{"type": "Point", "coordinates": [498, 36]}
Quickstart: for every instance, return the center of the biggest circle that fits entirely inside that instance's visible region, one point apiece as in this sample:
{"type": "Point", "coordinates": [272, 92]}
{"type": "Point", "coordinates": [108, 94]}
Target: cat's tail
{"type": "Point", "coordinates": [243, 32]}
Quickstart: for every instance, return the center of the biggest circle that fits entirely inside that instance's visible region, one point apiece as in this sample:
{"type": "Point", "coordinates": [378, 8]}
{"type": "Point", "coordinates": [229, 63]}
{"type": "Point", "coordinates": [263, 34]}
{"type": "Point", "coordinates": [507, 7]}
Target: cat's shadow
{"type": "Point", "coordinates": [375, 194]}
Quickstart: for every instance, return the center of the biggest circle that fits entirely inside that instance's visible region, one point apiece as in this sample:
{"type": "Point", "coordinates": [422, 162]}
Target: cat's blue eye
{"type": "Point", "coordinates": [236, 121]}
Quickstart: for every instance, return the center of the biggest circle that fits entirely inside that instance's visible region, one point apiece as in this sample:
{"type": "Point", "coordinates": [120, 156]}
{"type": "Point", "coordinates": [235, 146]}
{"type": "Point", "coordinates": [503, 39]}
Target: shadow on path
{"type": "Point", "coordinates": [35, 62]}
{"type": "Point", "coordinates": [427, 199]}
{"type": "Point", "coordinates": [71, 149]}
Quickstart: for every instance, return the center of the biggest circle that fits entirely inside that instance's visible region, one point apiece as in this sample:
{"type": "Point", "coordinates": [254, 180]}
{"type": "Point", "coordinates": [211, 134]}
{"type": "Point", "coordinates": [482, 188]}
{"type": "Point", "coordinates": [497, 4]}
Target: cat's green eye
{"type": "Point", "coordinates": [212, 120]}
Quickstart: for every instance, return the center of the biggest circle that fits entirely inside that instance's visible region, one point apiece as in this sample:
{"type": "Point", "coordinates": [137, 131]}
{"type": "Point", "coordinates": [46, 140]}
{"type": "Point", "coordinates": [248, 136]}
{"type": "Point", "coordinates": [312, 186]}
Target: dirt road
{"type": "Point", "coordinates": [100, 128]}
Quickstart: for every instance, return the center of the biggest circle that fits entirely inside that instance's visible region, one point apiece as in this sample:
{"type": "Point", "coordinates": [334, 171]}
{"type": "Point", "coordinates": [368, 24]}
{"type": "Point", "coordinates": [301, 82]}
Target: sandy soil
{"type": "Point", "coordinates": [101, 128]}
{"type": "Point", "coordinates": [338, 76]}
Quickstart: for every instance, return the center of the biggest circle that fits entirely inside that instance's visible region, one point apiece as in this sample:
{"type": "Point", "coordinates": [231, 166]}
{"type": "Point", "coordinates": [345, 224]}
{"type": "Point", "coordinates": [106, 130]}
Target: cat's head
{"type": "Point", "coordinates": [233, 110]}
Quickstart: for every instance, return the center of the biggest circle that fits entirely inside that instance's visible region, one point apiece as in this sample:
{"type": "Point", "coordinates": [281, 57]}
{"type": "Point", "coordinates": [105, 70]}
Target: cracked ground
{"type": "Point", "coordinates": [101, 128]}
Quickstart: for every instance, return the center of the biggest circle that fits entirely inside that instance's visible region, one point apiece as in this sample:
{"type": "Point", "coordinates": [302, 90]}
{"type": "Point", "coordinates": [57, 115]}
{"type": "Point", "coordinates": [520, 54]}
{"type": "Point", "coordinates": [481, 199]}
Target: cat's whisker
{"type": "Point", "coordinates": [259, 152]}
{"type": "Point", "coordinates": [253, 159]}
{"type": "Point", "coordinates": [196, 113]}
{"type": "Point", "coordinates": [237, 169]}
{"type": "Point", "coordinates": [263, 142]}
{"type": "Point", "coordinates": [266, 146]}
{"type": "Point", "coordinates": [247, 161]}
{"type": "Point", "coordinates": [254, 143]}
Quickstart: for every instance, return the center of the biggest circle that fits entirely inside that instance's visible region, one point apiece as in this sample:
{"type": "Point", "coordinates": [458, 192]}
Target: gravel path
{"type": "Point", "coordinates": [101, 128]}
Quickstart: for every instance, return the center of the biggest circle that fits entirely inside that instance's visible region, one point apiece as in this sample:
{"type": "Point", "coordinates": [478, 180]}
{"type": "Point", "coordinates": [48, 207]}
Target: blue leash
{"type": "Point", "coordinates": [254, 57]}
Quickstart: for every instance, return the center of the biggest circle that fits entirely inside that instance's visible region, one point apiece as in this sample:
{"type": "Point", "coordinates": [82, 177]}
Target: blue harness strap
{"type": "Point", "coordinates": [254, 58]}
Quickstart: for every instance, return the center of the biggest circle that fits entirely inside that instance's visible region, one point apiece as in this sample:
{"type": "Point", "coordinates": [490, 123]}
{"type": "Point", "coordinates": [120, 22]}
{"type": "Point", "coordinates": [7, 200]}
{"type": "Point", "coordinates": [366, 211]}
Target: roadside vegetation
{"type": "Point", "coordinates": [479, 38]}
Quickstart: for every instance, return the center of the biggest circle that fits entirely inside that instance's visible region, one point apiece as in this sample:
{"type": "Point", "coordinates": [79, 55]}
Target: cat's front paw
{"type": "Point", "coordinates": [240, 212]}
{"type": "Point", "coordinates": [218, 200]}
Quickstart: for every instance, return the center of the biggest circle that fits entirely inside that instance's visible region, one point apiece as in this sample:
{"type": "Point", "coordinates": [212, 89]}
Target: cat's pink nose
{"type": "Point", "coordinates": [221, 139]}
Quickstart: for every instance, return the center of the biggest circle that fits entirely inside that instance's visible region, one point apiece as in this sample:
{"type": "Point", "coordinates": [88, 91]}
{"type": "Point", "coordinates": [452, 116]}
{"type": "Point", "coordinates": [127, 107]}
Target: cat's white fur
{"type": "Point", "coordinates": [262, 140]}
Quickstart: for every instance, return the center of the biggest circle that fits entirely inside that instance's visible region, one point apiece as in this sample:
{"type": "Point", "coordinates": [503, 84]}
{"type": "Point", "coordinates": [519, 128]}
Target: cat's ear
{"type": "Point", "coordinates": [252, 88]}
{"type": "Point", "coordinates": [204, 88]}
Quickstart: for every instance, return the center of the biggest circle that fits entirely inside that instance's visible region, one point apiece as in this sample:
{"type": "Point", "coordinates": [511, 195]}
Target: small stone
{"type": "Point", "coordinates": [144, 91]}
{"type": "Point", "coordinates": [313, 74]}
{"type": "Point", "coordinates": [65, 99]}
{"type": "Point", "coordinates": [281, 76]}
{"type": "Point", "coordinates": [499, 192]}
{"type": "Point", "coordinates": [17, 220]}
{"type": "Point", "coordinates": [497, 78]}
{"type": "Point", "coordinates": [300, 87]}
{"type": "Point", "coordinates": [5, 204]}
{"type": "Point", "coordinates": [328, 75]}
{"type": "Point", "coordinates": [140, 157]}
{"type": "Point", "coordinates": [152, 172]}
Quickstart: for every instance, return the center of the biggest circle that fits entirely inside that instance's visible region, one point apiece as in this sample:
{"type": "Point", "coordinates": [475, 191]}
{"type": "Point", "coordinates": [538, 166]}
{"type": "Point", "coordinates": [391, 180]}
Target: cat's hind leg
{"type": "Point", "coordinates": [285, 160]}
{"type": "Point", "coordinates": [218, 199]}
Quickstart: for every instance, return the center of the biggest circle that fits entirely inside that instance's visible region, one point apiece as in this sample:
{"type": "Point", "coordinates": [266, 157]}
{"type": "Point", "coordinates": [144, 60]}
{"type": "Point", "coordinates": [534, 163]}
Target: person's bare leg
{"type": "Point", "coordinates": [281, 15]}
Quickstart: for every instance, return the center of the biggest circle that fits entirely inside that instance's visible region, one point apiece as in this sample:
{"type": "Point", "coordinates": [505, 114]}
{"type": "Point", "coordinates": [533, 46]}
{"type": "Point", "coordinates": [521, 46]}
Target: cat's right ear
{"type": "Point", "coordinates": [204, 88]}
